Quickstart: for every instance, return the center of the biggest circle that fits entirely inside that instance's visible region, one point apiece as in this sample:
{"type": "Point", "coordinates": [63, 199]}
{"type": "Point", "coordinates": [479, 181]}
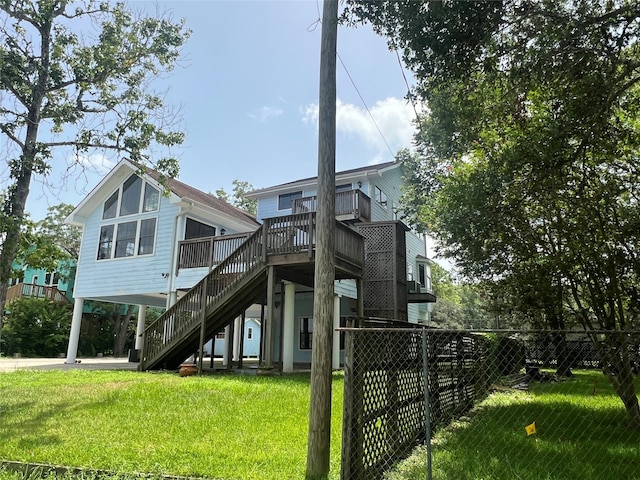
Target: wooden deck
{"type": "Point", "coordinates": [285, 243]}
{"type": "Point", "coordinates": [29, 290]}
{"type": "Point", "coordinates": [352, 205]}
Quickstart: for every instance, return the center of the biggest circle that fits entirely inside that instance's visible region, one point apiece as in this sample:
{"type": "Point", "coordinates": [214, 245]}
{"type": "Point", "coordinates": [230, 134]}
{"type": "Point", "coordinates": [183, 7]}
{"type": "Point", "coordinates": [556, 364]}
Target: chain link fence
{"type": "Point", "coordinates": [501, 404]}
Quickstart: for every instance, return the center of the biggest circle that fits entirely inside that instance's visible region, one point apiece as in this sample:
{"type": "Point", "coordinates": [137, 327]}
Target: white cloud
{"type": "Point", "coordinates": [394, 119]}
{"type": "Point", "coordinates": [265, 113]}
{"type": "Point", "coordinates": [95, 162]}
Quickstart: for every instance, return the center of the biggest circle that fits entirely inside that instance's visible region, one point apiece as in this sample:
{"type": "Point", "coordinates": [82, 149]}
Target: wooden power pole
{"type": "Point", "coordinates": [320, 405]}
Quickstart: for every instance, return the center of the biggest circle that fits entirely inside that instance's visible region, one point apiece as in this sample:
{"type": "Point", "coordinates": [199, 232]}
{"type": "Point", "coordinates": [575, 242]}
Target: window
{"type": "Point", "coordinates": [106, 242]}
{"type": "Point", "coordinates": [380, 197]}
{"type": "Point", "coordinates": [249, 333]}
{"type": "Point", "coordinates": [147, 236]}
{"type": "Point", "coordinates": [285, 201]}
{"type": "Point", "coordinates": [126, 239]}
{"type": "Point", "coordinates": [306, 333]}
{"type": "Point", "coordinates": [195, 229]}
{"type": "Point", "coordinates": [343, 188]}
{"type": "Point", "coordinates": [52, 279]}
{"type": "Point", "coordinates": [220, 335]}
{"type": "Point", "coordinates": [134, 236]}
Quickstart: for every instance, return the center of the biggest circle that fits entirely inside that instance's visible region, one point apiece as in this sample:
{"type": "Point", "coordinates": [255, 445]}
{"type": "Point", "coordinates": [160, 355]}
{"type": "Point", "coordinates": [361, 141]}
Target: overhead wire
{"type": "Point", "coordinates": [312, 27]}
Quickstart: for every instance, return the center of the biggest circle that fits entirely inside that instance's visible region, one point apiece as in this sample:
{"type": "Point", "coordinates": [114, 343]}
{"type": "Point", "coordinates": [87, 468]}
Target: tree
{"type": "Point", "coordinates": [239, 199]}
{"type": "Point", "coordinates": [531, 152]}
{"type": "Point", "coordinates": [36, 327]}
{"type": "Point", "coordinates": [76, 75]}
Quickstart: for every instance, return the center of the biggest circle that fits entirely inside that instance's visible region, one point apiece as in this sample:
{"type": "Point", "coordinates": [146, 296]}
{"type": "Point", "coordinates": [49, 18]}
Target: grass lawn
{"type": "Point", "coordinates": [223, 426]}
{"type": "Point", "coordinates": [579, 435]}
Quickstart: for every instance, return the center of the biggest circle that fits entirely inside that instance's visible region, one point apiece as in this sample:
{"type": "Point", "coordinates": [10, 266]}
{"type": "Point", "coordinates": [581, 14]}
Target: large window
{"type": "Point", "coordinates": [285, 201]}
{"type": "Point", "coordinates": [195, 229]}
{"type": "Point", "coordinates": [306, 333]}
{"type": "Point", "coordinates": [131, 236]}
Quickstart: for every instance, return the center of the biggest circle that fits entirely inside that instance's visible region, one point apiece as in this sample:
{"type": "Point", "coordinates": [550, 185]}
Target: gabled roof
{"type": "Point", "coordinates": [184, 191]}
{"type": "Point", "coordinates": [354, 173]}
{"type": "Point", "coordinates": [178, 192]}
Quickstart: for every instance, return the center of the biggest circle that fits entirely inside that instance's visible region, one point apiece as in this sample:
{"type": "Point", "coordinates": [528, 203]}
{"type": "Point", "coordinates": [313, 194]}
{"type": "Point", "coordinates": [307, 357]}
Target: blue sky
{"type": "Point", "coordinates": [247, 89]}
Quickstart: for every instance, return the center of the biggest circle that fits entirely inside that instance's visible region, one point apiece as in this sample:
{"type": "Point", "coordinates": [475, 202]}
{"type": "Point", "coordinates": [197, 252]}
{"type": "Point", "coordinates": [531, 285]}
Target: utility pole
{"type": "Point", "coordinates": [320, 403]}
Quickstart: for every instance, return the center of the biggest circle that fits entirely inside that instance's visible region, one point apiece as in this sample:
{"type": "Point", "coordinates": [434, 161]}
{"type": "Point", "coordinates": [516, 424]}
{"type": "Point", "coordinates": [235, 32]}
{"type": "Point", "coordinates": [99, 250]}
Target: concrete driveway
{"type": "Point", "coordinates": [105, 363]}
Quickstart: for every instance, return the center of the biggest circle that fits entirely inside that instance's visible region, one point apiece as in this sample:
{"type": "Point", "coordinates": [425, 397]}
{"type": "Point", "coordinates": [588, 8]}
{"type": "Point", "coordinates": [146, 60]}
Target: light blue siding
{"type": "Point", "coordinates": [137, 275]}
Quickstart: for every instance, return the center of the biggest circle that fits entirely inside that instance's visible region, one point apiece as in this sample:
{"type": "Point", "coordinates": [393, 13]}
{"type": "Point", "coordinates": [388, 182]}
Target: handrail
{"type": "Point", "coordinates": [284, 235]}
{"type": "Point", "coordinates": [30, 290]}
{"type": "Point", "coordinates": [184, 314]}
{"type": "Point", "coordinates": [352, 202]}
{"type": "Point", "coordinates": [208, 251]}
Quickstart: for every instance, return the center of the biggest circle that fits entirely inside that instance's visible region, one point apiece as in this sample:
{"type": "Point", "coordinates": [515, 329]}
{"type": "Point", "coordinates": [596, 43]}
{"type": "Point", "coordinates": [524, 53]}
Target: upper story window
{"type": "Point", "coordinates": [129, 197]}
{"type": "Point", "coordinates": [195, 229]}
{"type": "Point", "coordinates": [133, 236]}
{"type": "Point", "coordinates": [343, 188]}
{"type": "Point", "coordinates": [285, 200]}
{"type": "Point", "coordinates": [380, 197]}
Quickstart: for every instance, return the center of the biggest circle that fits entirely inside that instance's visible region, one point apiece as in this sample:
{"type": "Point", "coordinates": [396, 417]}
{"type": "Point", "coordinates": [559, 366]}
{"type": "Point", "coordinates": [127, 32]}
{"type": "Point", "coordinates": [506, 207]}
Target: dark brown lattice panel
{"type": "Point", "coordinates": [384, 407]}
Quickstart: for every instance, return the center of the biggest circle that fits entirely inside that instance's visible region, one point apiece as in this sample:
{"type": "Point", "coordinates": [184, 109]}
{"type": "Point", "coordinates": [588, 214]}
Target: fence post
{"type": "Point", "coordinates": [427, 409]}
{"type": "Point", "coordinates": [351, 464]}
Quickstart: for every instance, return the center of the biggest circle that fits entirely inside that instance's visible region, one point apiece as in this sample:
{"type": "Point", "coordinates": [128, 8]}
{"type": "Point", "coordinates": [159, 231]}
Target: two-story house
{"type": "Point", "coordinates": [140, 247]}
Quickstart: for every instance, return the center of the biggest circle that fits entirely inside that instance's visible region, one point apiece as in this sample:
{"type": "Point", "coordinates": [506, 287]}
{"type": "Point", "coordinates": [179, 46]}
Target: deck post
{"type": "Point", "coordinates": [203, 323]}
{"type": "Point", "coordinates": [288, 327]}
{"type": "Point", "coordinates": [267, 358]}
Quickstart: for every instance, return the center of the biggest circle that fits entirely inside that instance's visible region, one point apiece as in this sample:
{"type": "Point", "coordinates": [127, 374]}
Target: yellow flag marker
{"type": "Point", "coordinates": [531, 429]}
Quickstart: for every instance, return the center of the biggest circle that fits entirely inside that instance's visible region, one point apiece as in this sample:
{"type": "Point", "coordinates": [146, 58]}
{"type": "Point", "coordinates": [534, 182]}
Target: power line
{"type": "Point", "coordinates": [365, 106]}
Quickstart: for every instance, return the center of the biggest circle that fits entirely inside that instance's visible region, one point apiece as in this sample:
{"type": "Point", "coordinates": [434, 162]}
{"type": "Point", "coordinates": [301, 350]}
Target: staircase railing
{"type": "Point", "coordinates": [184, 315]}
{"type": "Point", "coordinates": [291, 234]}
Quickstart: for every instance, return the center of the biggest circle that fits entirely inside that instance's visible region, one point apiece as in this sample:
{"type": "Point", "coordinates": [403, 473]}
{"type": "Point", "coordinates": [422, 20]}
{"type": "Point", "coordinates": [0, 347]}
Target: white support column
{"type": "Point", "coordinates": [142, 316]}
{"type": "Point", "coordinates": [74, 334]}
{"type": "Point", "coordinates": [335, 354]}
{"type": "Point", "coordinates": [238, 338]}
{"type": "Point", "coordinates": [225, 354]}
{"type": "Point", "coordinates": [288, 327]}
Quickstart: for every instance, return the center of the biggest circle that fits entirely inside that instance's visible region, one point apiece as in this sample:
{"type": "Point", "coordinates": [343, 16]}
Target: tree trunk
{"type": "Point", "coordinates": [120, 324]}
{"type": "Point", "coordinates": [616, 362]}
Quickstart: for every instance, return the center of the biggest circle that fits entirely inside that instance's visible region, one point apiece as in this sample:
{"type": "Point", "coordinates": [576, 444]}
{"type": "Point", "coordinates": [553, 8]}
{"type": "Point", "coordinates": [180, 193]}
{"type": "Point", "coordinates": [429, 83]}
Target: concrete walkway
{"type": "Point", "coordinates": [105, 363]}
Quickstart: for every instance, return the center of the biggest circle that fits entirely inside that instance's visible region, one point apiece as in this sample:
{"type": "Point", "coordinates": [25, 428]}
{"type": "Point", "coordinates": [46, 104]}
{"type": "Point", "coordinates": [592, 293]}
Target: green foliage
{"type": "Point", "coordinates": [36, 327]}
{"type": "Point", "coordinates": [530, 151]}
{"type": "Point", "coordinates": [239, 199]}
{"type": "Point", "coordinates": [76, 76]}
{"type": "Point", "coordinates": [458, 305]}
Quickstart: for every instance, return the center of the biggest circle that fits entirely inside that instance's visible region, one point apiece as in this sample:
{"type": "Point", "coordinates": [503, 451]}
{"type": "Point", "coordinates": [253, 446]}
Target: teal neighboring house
{"type": "Point", "coordinates": [39, 283]}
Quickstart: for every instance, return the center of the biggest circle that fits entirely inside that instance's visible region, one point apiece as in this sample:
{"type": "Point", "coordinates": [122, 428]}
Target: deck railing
{"type": "Point", "coordinates": [353, 203]}
{"type": "Point", "coordinates": [29, 290]}
{"type": "Point", "coordinates": [289, 234]}
{"type": "Point", "coordinates": [208, 251]}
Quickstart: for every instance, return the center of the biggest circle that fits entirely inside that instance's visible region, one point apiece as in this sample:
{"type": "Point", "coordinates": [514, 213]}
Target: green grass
{"type": "Point", "coordinates": [578, 436]}
{"type": "Point", "coordinates": [224, 426]}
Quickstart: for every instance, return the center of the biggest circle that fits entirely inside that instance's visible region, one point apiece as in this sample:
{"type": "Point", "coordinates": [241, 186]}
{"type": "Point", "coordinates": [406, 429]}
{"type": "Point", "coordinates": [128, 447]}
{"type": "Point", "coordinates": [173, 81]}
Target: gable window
{"type": "Point", "coordinates": [380, 197]}
{"type": "Point", "coordinates": [306, 333]}
{"type": "Point", "coordinates": [249, 333]}
{"type": "Point", "coordinates": [134, 236]}
{"type": "Point", "coordinates": [285, 201]}
{"type": "Point", "coordinates": [195, 229]}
